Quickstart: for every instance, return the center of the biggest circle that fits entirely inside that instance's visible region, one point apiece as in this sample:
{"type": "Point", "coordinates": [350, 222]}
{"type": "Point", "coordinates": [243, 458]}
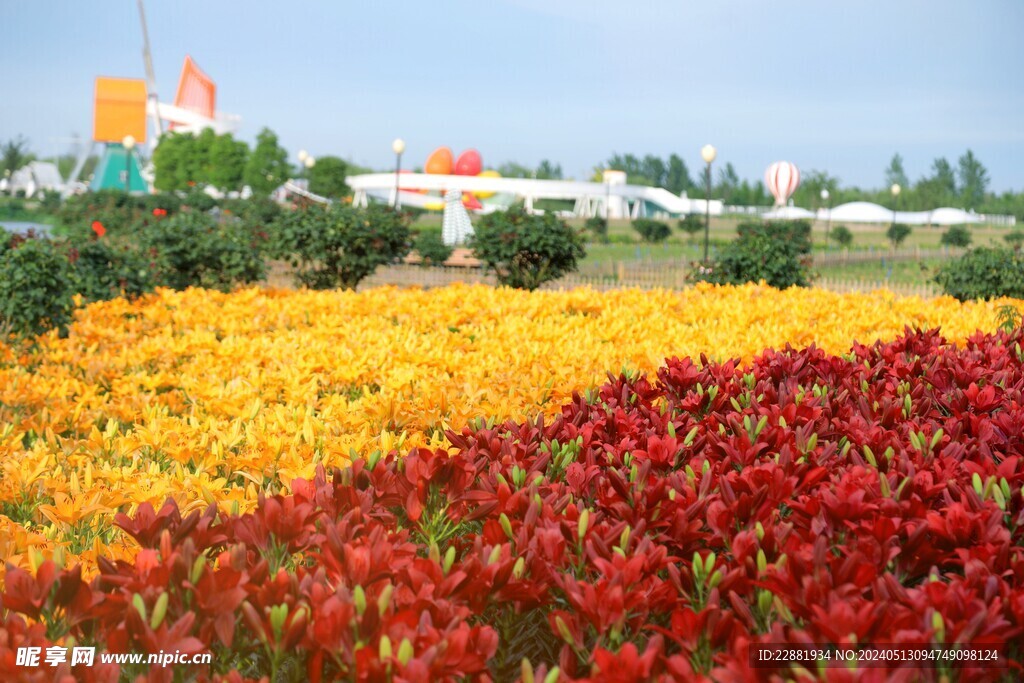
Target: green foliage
{"type": "Point", "coordinates": [842, 235]}
{"type": "Point", "coordinates": [195, 250]}
{"type": "Point", "coordinates": [956, 236]}
{"type": "Point", "coordinates": [432, 249]}
{"type": "Point", "coordinates": [897, 233]}
{"type": "Point", "coordinates": [14, 154]}
{"type": "Point", "coordinates": [267, 167]}
{"type": "Point", "coordinates": [119, 213]}
{"type": "Point", "coordinates": [327, 177]}
{"type": "Point", "coordinates": [1008, 318]}
{"type": "Point", "coordinates": [101, 269]}
{"type": "Point", "coordinates": [1015, 238]}
{"type": "Point", "coordinates": [35, 293]}
{"type": "Point", "coordinates": [692, 224]}
{"type": "Point", "coordinates": [973, 180]}
{"type": "Point", "coordinates": [651, 230]}
{"type": "Point", "coordinates": [527, 250]}
{"type": "Point", "coordinates": [339, 246]}
{"type": "Point", "coordinates": [984, 273]}
{"type": "Point", "coordinates": [227, 163]}
{"type": "Point", "coordinates": [671, 174]}
{"type": "Point", "coordinates": [795, 232]}
{"type": "Point", "coordinates": [760, 254]}
{"type": "Point", "coordinates": [598, 227]}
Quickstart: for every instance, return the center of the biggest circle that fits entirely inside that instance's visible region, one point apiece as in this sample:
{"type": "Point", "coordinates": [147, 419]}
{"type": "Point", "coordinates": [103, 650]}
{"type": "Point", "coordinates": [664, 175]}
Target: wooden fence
{"type": "Point", "coordinates": [621, 275]}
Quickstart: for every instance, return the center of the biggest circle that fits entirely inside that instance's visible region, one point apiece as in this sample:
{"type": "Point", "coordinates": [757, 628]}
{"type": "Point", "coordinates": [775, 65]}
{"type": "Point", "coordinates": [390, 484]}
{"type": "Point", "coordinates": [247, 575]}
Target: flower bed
{"type": "Point", "coordinates": [651, 529]}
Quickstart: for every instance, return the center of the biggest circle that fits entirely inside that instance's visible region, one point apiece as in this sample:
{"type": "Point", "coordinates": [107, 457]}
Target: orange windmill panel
{"type": "Point", "coordinates": [196, 91]}
{"type": "Point", "coordinates": [119, 109]}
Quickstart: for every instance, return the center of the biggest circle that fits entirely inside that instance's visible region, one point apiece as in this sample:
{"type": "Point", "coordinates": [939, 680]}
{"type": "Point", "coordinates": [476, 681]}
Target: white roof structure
{"type": "Point", "coordinates": [35, 176]}
{"type": "Point", "coordinates": [867, 212]}
{"type": "Point", "coordinates": [790, 213]}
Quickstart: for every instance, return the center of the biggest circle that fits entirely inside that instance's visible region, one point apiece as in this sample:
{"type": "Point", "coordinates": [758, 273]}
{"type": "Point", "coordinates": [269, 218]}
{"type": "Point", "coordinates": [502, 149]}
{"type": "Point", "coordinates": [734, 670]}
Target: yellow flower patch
{"type": "Point", "coordinates": [209, 397]}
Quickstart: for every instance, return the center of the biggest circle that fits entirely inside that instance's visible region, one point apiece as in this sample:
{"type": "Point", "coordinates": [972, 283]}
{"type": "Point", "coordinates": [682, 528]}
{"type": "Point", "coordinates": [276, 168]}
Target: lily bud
{"type": "Point", "coordinates": [359, 599]}
{"type": "Point", "coordinates": [384, 650]}
{"type": "Point", "coordinates": [384, 599]}
{"type": "Point", "coordinates": [506, 525]}
{"type": "Point", "coordinates": [159, 611]}
{"type": "Point", "coordinates": [583, 523]}
{"type": "Point", "coordinates": [405, 651]}
{"type": "Point", "coordinates": [519, 568]}
{"type": "Point", "coordinates": [494, 556]}
{"type": "Point", "coordinates": [553, 675]}
{"type": "Point", "coordinates": [140, 606]}
{"type": "Point", "coordinates": [526, 671]}
{"type": "Point", "coordinates": [449, 559]}
{"type": "Point", "coordinates": [564, 631]}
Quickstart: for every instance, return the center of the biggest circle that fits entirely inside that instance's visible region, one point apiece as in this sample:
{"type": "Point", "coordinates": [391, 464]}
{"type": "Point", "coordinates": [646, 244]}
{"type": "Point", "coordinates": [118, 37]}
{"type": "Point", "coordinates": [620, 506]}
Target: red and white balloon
{"type": "Point", "coordinates": [782, 179]}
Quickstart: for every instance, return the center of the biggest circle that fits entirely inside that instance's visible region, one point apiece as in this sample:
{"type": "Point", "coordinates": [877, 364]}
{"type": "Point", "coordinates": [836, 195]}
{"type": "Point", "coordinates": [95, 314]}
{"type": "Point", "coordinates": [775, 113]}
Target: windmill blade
{"type": "Point", "coordinates": [147, 57]}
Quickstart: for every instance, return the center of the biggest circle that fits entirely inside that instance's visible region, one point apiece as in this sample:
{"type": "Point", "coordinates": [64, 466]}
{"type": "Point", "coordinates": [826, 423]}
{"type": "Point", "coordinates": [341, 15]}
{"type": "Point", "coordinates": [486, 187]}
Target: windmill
{"type": "Point", "coordinates": [120, 110]}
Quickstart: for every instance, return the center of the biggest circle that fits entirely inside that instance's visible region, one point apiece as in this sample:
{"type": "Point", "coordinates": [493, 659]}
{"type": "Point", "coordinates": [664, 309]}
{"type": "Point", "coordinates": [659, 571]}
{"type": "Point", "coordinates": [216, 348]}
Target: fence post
{"type": "Point", "coordinates": [622, 271]}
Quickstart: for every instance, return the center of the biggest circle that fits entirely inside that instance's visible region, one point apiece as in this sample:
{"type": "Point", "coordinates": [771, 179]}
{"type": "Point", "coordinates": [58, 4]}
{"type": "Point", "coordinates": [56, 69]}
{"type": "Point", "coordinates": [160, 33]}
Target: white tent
{"type": "Point", "coordinates": [789, 213]}
{"type": "Point", "coordinates": [38, 175]}
{"type": "Point", "coordinates": [866, 212]}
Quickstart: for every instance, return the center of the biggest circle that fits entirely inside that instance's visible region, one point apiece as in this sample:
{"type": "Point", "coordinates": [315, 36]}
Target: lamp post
{"type": "Point", "coordinates": [302, 156]}
{"type": "Point", "coordinates": [310, 163]}
{"type": "Point", "coordinates": [398, 146]}
{"type": "Point", "coordinates": [828, 226]}
{"type": "Point", "coordinates": [895, 189]}
{"type": "Point", "coordinates": [129, 144]}
{"type": "Point", "coordinates": [708, 154]}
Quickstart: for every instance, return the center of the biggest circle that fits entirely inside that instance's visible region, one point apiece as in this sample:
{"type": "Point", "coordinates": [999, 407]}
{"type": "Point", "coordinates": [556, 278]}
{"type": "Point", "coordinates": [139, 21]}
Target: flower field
{"type": "Point", "coordinates": [449, 484]}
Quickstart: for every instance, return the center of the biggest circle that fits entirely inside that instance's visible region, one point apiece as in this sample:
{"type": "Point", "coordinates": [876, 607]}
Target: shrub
{"type": "Point", "coordinates": [984, 273]}
{"type": "Point", "coordinates": [692, 225]}
{"type": "Point", "coordinates": [527, 250]}
{"type": "Point", "coordinates": [1015, 239]}
{"type": "Point", "coordinates": [797, 233]}
{"type": "Point", "coordinates": [598, 227]}
{"type": "Point", "coordinates": [101, 269]}
{"type": "Point", "coordinates": [756, 256]}
{"type": "Point", "coordinates": [897, 233]}
{"type": "Point", "coordinates": [432, 249]}
{"type": "Point", "coordinates": [651, 230]}
{"type": "Point", "coordinates": [842, 235]}
{"type": "Point", "coordinates": [339, 246]}
{"type": "Point", "coordinates": [956, 236]}
{"type": "Point", "coordinates": [35, 292]}
{"type": "Point", "coordinates": [196, 250]}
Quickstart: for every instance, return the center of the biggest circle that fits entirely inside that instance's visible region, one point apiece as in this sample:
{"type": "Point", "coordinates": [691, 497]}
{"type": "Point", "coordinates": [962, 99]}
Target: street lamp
{"type": "Point", "coordinates": [895, 189]}
{"type": "Point", "coordinates": [828, 226]}
{"type": "Point", "coordinates": [129, 144]}
{"type": "Point", "coordinates": [398, 146]}
{"type": "Point", "coordinates": [310, 163]}
{"type": "Point", "coordinates": [708, 154]}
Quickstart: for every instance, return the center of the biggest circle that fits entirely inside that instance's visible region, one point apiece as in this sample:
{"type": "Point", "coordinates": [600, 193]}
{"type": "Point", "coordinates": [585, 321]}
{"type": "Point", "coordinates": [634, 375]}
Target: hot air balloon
{"type": "Point", "coordinates": [782, 179]}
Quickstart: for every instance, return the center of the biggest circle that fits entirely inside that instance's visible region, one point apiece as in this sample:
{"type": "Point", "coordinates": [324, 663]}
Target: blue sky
{"type": "Point", "coordinates": [836, 86]}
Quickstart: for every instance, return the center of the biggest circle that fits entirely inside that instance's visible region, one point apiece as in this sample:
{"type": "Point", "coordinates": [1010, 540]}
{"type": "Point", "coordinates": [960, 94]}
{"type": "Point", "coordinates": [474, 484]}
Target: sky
{"type": "Point", "coordinates": [828, 85]}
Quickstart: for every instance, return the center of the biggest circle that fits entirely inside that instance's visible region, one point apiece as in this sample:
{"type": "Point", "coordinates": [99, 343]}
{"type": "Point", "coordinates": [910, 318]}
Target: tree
{"type": "Point", "coordinates": [512, 169]}
{"type": "Point", "coordinates": [728, 183]}
{"type": "Point", "coordinates": [973, 180]}
{"type": "Point", "coordinates": [677, 177]}
{"type": "Point", "coordinates": [15, 154]}
{"type": "Point", "coordinates": [897, 233]}
{"type": "Point", "coordinates": [651, 230]}
{"type": "Point", "coordinates": [168, 159]}
{"type": "Point", "coordinates": [549, 171]}
{"type": "Point", "coordinates": [895, 173]}
{"type": "Point", "coordinates": [527, 250]}
{"type": "Point", "coordinates": [939, 189]}
{"type": "Point", "coordinates": [956, 236]}
{"type": "Point", "coordinates": [267, 167]}
{"type": "Point", "coordinates": [327, 177]}
{"type": "Point", "coordinates": [227, 162]}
